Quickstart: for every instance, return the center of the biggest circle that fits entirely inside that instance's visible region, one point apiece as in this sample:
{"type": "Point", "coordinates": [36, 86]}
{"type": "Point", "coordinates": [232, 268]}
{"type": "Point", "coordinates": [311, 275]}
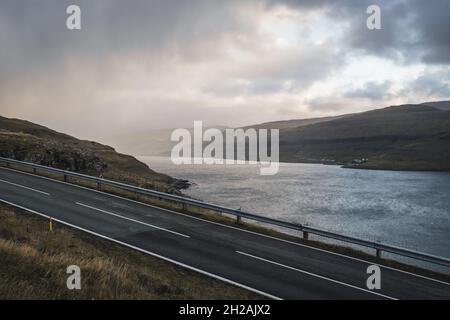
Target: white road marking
{"type": "Point", "coordinates": [21, 186]}
{"type": "Point", "coordinates": [315, 275]}
{"type": "Point", "coordinates": [274, 238]}
{"type": "Point", "coordinates": [235, 228]}
{"type": "Point", "coordinates": [212, 275]}
{"type": "Point", "coordinates": [133, 220]}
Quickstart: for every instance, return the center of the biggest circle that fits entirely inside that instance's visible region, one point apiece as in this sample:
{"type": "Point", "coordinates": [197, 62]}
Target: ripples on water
{"type": "Point", "coordinates": [408, 209]}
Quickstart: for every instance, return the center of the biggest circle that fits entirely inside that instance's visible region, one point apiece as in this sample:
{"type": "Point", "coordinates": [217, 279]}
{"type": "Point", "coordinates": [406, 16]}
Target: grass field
{"type": "Point", "coordinates": [33, 262]}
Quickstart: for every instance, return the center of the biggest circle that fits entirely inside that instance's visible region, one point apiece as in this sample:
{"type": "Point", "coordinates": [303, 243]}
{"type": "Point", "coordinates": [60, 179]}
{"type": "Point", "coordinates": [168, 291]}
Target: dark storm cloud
{"type": "Point", "coordinates": [411, 29]}
{"type": "Point", "coordinates": [190, 30]}
{"type": "Point", "coordinates": [432, 20]}
{"type": "Point", "coordinates": [289, 70]}
{"type": "Point", "coordinates": [31, 30]}
{"type": "Point", "coordinates": [371, 90]}
{"type": "Point", "coordinates": [36, 29]}
{"type": "Point", "coordinates": [32, 33]}
{"type": "Point", "coordinates": [432, 83]}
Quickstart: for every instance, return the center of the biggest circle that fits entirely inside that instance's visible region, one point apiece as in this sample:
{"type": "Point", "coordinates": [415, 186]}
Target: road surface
{"type": "Point", "coordinates": [275, 268]}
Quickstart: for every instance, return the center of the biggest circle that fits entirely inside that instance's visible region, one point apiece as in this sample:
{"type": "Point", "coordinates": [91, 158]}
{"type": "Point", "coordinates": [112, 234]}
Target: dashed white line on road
{"type": "Point", "coordinates": [183, 265]}
{"type": "Point", "coordinates": [133, 220]}
{"type": "Point", "coordinates": [315, 275]}
{"type": "Point", "coordinates": [21, 186]}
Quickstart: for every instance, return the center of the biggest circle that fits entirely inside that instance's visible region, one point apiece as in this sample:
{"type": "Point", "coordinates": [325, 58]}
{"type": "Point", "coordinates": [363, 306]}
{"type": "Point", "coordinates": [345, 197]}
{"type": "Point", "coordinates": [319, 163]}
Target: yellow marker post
{"type": "Point", "coordinates": [50, 225]}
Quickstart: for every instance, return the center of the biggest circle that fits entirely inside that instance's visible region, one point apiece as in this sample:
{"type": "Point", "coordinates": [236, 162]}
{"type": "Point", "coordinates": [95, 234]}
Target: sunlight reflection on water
{"type": "Point", "coordinates": [408, 209]}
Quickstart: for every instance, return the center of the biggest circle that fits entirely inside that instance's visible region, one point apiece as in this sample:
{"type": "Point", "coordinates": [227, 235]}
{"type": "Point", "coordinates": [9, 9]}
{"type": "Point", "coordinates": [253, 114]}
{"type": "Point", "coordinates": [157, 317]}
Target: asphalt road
{"type": "Point", "coordinates": [269, 266]}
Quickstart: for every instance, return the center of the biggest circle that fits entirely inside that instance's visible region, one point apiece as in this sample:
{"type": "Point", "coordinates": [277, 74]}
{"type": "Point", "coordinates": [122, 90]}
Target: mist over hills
{"type": "Point", "coordinates": [405, 137]}
{"type": "Point", "coordinates": [152, 142]}
{"type": "Point", "coordinates": [147, 143]}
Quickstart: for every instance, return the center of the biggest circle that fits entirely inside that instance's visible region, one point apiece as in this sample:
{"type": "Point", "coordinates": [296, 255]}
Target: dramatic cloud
{"type": "Point", "coordinates": [149, 64]}
{"type": "Point", "coordinates": [432, 83]}
{"type": "Point", "coordinates": [372, 90]}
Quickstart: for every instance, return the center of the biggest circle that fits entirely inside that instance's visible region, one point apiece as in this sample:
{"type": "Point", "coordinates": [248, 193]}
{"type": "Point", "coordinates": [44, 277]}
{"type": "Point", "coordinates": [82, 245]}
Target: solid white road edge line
{"type": "Point", "coordinates": [133, 220]}
{"type": "Point", "coordinates": [212, 275]}
{"type": "Point", "coordinates": [315, 275]}
{"type": "Point", "coordinates": [21, 186]}
{"type": "Point", "coordinates": [231, 227]}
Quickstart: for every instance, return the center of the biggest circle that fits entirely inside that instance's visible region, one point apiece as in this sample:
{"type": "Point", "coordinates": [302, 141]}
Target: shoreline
{"type": "Point", "coordinates": [340, 164]}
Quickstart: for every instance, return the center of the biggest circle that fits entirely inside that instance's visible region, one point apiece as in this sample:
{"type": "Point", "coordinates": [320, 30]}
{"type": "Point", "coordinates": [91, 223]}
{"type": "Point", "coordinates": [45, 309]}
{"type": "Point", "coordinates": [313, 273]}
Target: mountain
{"type": "Point", "coordinates": [26, 141]}
{"type": "Point", "coordinates": [406, 137]}
{"type": "Point", "coordinates": [413, 137]}
{"type": "Point", "coordinates": [287, 124]}
{"type": "Point", "coordinates": [442, 105]}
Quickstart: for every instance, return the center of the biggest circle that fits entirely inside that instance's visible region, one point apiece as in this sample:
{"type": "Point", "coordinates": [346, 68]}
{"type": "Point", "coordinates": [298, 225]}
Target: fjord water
{"type": "Point", "coordinates": [403, 208]}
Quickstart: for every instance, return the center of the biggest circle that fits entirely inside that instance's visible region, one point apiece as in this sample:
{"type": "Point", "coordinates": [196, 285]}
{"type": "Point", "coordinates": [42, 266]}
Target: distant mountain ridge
{"type": "Point", "coordinates": [286, 124]}
{"type": "Point", "coordinates": [406, 137]}
{"type": "Point", "coordinates": [26, 141]}
{"type": "Point", "coordinates": [442, 105]}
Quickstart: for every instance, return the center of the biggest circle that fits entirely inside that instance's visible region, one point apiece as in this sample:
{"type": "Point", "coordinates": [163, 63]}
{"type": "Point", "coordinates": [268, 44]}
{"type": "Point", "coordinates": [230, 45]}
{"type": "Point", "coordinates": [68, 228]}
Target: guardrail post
{"type": "Point", "coordinates": [238, 219]}
{"type": "Point", "coordinates": [65, 178]}
{"type": "Point", "coordinates": [378, 253]}
{"type": "Point", "coordinates": [34, 170]}
{"type": "Point", "coordinates": [305, 235]}
{"type": "Point", "coordinates": [99, 186]}
{"type": "Point", "coordinates": [184, 207]}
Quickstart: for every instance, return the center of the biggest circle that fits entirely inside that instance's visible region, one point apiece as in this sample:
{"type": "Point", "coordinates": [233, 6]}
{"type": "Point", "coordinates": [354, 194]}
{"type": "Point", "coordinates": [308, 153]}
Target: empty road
{"type": "Point", "coordinates": [275, 268]}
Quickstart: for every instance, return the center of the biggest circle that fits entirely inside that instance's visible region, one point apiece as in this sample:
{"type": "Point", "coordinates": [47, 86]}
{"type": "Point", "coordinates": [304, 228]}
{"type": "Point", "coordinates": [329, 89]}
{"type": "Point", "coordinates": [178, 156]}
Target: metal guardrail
{"type": "Point", "coordinates": [379, 247]}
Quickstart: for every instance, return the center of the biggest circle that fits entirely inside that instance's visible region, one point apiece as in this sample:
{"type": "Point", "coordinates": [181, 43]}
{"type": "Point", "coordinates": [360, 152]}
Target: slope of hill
{"type": "Point", "coordinates": [26, 141]}
{"type": "Point", "coordinates": [295, 123]}
{"type": "Point", "coordinates": [407, 137]}
{"type": "Point", "coordinates": [442, 105]}
{"type": "Point", "coordinates": [415, 137]}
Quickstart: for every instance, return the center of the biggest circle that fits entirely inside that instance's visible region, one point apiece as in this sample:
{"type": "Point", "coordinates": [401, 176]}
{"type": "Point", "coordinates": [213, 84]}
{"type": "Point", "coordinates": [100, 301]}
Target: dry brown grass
{"type": "Point", "coordinates": [34, 261]}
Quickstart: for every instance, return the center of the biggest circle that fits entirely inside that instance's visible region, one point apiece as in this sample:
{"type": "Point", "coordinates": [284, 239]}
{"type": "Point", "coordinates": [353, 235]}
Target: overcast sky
{"type": "Point", "coordinates": [140, 65]}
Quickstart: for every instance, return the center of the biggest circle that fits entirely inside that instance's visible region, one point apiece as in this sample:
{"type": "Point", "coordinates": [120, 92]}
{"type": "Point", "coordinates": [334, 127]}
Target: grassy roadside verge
{"type": "Point", "coordinates": [33, 264]}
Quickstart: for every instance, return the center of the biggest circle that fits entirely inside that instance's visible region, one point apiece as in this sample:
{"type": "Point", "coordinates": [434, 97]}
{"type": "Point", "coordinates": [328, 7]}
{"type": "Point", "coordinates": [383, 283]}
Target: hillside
{"type": "Point", "coordinates": [295, 123]}
{"type": "Point", "coordinates": [407, 137]}
{"type": "Point", "coordinates": [442, 105]}
{"type": "Point", "coordinates": [415, 137]}
{"type": "Point", "coordinates": [26, 141]}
